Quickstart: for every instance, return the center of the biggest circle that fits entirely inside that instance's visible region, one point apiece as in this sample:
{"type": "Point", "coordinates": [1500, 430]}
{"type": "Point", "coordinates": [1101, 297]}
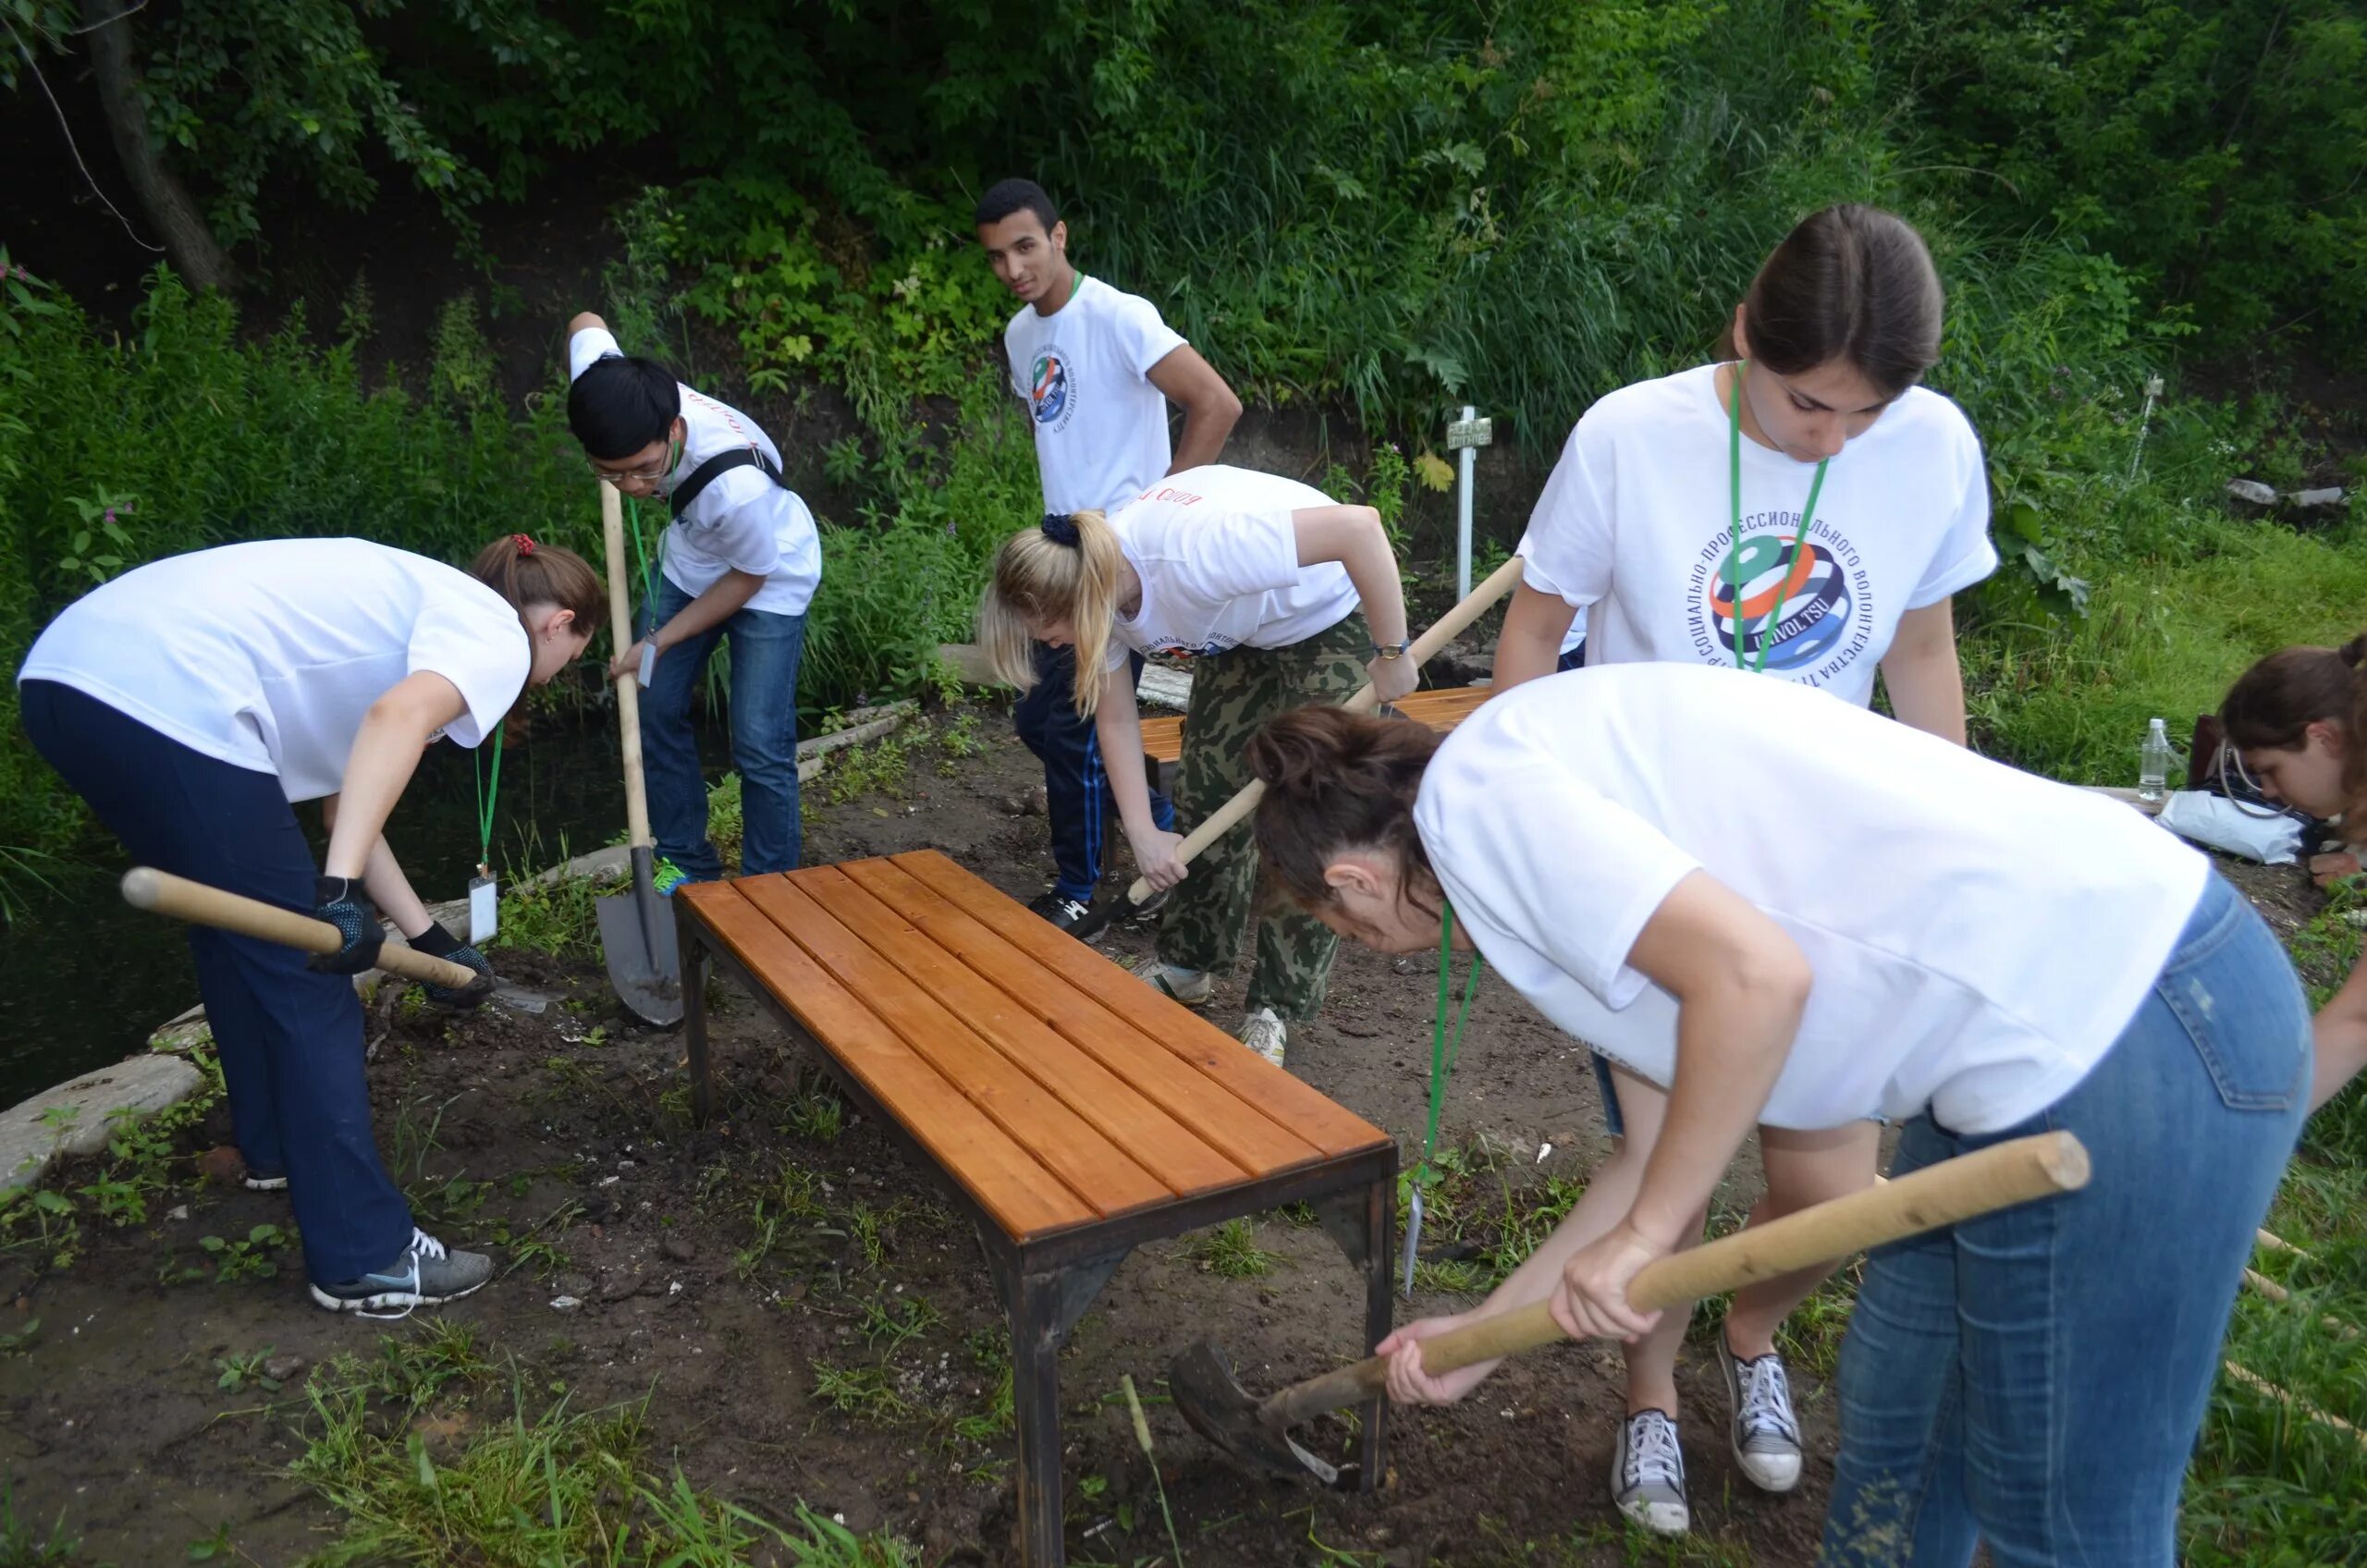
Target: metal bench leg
{"type": "Point", "coordinates": [1380, 1234]}
{"type": "Point", "coordinates": [696, 966]}
{"type": "Point", "coordinates": [1043, 1309]}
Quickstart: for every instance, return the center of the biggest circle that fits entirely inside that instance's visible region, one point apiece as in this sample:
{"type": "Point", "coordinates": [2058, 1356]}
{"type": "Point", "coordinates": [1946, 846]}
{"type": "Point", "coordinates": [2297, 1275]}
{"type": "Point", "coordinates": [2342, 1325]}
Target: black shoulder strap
{"type": "Point", "coordinates": [715, 468]}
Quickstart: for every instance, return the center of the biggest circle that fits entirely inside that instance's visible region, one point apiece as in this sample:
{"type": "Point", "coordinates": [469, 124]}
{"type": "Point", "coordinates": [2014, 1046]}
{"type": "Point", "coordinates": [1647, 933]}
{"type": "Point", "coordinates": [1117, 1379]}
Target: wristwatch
{"type": "Point", "coordinates": [1391, 650]}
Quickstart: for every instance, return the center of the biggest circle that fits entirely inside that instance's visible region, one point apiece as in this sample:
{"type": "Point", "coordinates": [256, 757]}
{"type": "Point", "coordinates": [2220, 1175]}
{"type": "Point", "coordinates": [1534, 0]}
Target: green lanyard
{"type": "Point", "coordinates": [1443, 1056]}
{"type": "Point", "coordinates": [1734, 559]}
{"type": "Point", "coordinates": [485, 798]}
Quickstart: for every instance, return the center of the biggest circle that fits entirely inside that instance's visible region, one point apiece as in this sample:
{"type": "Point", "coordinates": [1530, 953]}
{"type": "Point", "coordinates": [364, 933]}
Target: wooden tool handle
{"type": "Point", "coordinates": [612, 534]}
{"type": "Point", "coordinates": [1997, 1177]}
{"type": "Point", "coordinates": [162, 892]}
{"type": "Point", "coordinates": [1225, 817]}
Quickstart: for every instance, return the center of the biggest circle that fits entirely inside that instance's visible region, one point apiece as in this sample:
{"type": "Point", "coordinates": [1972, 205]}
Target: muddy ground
{"type": "Point", "coordinates": [565, 1134]}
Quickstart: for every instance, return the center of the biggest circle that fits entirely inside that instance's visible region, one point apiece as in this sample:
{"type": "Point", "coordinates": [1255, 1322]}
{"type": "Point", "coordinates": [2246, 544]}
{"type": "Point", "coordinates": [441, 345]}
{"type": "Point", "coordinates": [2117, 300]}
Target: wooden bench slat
{"type": "Point", "coordinates": [1296, 1105]}
{"type": "Point", "coordinates": [1008, 1182]}
{"type": "Point", "coordinates": [1240, 1129]}
{"type": "Point", "coordinates": [1182, 1161]}
{"type": "Point", "coordinates": [1087, 1163]}
{"type": "Point", "coordinates": [1442, 708]}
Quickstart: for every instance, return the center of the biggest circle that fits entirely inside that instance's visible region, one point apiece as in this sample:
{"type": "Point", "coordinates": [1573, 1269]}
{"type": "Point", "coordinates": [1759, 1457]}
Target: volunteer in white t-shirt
{"type": "Point", "coordinates": [1097, 369]}
{"type": "Point", "coordinates": [1673, 525]}
{"type": "Point", "coordinates": [1791, 911]}
{"type": "Point", "coordinates": [1258, 579]}
{"type": "Point", "coordinates": [740, 563]}
{"type": "Point", "coordinates": [190, 702]}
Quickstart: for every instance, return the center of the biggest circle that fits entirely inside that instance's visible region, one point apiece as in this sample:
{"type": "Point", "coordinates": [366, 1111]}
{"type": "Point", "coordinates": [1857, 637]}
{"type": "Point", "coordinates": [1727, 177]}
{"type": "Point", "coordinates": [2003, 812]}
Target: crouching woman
{"type": "Point", "coordinates": [1788, 911]}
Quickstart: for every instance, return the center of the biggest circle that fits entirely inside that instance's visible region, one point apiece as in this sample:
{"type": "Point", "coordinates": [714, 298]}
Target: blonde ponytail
{"type": "Point", "coordinates": [1063, 568]}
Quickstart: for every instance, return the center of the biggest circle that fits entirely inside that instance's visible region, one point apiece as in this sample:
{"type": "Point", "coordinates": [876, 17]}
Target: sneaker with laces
{"type": "Point", "coordinates": [423, 1275]}
{"type": "Point", "coordinates": [1647, 1473]}
{"type": "Point", "coordinates": [1190, 986]}
{"type": "Point", "coordinates": [1062, 911]}
{"type": "Point", "coordinates": [664, 876]}
{"type": "Point", "coordinates": [264, 1181]}
{"type": "Point", "coordinates": [1765, 1434]}
{"type": "Point", "coordinates": [1264, 1033]}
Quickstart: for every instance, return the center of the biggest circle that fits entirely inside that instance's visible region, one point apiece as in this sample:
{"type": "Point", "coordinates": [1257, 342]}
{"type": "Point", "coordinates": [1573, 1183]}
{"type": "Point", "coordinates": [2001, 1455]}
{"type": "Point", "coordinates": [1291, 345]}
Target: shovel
{"type": "Point", "coordinates": [1257, 1432]}
{"type": "Point", "coordinates": [1223, 819]}
{"type": "Point", "coordinates": [163, 893]}
{"type": "Point", "coordinates": [636, 928]}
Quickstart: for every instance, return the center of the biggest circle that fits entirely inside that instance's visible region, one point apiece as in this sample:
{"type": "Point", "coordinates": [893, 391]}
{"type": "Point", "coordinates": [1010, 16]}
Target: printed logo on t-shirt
{"type": "Point", "coordinates": [1808, 612]}
{"type": "Point", "coordinates": [1050, 394]}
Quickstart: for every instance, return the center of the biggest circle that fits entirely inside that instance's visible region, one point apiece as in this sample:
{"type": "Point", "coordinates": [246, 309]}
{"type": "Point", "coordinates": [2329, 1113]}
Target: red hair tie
{"type": "Point", "coordinates": [525, 545]}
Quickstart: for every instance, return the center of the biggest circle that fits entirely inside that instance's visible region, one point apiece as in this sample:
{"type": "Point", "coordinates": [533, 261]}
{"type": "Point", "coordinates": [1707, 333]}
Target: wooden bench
{"type": "Point", "coordinates": [1442, 709]}
{"type": "Point", "coordinates": [1071, 1111]}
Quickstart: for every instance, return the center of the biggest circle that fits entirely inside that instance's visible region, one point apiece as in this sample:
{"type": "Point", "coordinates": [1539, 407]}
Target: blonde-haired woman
{"type": "Point", "coordinates": [1258, 579]}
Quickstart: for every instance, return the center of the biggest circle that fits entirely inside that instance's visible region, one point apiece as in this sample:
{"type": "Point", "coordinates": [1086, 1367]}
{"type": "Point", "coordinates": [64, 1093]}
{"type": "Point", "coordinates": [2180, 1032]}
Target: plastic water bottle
{"type": "Point", "coordinates": [2153, 763]}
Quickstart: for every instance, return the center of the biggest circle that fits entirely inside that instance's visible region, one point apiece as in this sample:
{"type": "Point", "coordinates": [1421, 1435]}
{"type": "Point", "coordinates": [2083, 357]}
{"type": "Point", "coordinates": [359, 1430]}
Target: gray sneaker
{"type": "Point", "coordinates": [424, 1275]}
{"type": "Point", "coordinates": [1647, 1473]}
{"type": "Point", "coordinates": [1765, 1434]}
{"type": "Point", "coordinates": [1190, 986]}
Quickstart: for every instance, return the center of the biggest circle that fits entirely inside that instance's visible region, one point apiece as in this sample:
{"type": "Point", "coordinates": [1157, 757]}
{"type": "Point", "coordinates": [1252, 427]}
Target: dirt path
{"type": "Point", "coordinates": [797, 1318]}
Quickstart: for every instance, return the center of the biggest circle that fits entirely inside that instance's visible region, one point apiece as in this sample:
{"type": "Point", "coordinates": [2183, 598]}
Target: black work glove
{"type": "Point", "coordinates": [437, 942]}
{"type": "Point", "coordinates": [345, 903]}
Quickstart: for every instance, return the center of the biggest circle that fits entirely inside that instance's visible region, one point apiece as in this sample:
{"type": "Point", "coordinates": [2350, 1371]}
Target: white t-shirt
{"type": "Point", "coordinates": [1218, 561]}
{"type": "Point", "coordinates": [1980, 935]}
{"type": "Point", "coordinates": [743, 521]}
{"type": "Point", "coordinates": [1085, 374]}
{"type": "Point", "coordinates": [267, 656]}
{"type": "Point", "coordinates": [1637, 521]}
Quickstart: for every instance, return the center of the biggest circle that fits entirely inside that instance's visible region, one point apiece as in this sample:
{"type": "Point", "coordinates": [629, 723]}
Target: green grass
{"type": "Point", "coordinates": [1230, 1250]}
{"type": "Point", "coordinates": [2070, 698]}
{"type": "Point", "coordinates": [560, 918]}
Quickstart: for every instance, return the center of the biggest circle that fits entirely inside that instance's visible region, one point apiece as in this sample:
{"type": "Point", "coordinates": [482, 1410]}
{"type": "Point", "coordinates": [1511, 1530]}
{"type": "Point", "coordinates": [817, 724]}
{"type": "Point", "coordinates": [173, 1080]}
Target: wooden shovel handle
{"type": "Point", "coordinates": [163, 893]}
{"type": "Point", "coordinates": [1998, 1177]}
{"type": "Point", "coordinates": [612, 538]}
{"type": "Point", "coordinates": [1225, 817]}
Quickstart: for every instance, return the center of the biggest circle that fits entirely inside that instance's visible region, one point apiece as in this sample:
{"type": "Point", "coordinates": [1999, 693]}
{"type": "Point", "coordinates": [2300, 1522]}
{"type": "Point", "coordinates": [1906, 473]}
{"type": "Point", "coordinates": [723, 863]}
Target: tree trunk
{"type": "Point", "coordinates": [188, 243]}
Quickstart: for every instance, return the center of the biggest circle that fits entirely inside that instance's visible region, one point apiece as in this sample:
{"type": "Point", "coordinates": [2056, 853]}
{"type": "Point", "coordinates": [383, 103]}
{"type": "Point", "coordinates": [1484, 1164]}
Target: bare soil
{"type": "Point", "coordinates": [114, 1416]}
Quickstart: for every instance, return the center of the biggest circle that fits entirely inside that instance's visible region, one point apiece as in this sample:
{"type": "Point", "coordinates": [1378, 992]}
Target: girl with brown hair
{"type": "Point", "coordinates": [1826, 934]}
{"type": "Point", "coordinates": [192, 701]}
{"type": "Point", "coordinates": [1281, 596]}
{"type": "Point", "coordinates": [1803, 509]}
{"type": "Point", "coordinates": [2294, 720]}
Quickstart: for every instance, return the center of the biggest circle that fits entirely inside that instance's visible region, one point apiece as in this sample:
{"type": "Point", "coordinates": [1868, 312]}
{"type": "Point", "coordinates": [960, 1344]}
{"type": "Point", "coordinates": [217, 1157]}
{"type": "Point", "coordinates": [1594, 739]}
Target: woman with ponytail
{"type": "Point", "coordinates": [192, 701]}
{"type": "Point", "coordinates": [2295, 720]}
{"type": "Point", "coordinates": [1776, 909]}
{"type": "Point", "coordinates": [1803, 509]}
{"type": "Point", "coordinates": [1258, 579]}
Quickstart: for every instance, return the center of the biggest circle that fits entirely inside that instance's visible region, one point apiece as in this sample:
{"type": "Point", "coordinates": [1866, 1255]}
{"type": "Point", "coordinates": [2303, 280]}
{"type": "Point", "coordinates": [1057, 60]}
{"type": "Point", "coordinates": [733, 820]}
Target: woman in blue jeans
{"type": "Point", "coordinates": [1790, 911]}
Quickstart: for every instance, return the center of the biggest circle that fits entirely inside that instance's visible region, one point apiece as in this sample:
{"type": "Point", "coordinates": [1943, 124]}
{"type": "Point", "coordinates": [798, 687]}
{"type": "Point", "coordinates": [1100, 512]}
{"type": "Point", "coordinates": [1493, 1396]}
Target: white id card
{"type": "Point", "coordinates": [484, 908]}
{"type": "Point", "coordinates": [648, 663]}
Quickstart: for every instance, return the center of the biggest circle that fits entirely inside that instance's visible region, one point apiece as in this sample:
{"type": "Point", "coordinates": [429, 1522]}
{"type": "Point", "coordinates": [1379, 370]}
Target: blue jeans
{"type": "Point", "coordinates": [765, 652]}
{"type": "Point", "coordinates": [288, 1037]}
{"type": "Point", "coordinates": [2035, 1378]}
{"type": "Point", "coordinates": [1077, 801]}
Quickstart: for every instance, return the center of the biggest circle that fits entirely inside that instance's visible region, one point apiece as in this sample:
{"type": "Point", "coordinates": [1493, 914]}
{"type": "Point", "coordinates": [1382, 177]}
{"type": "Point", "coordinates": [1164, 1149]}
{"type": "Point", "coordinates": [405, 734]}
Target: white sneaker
{"type": "Point", "coordinates": [1190, 986]}
{"type": "Point", "coordinates": [424, 1275]}
{"type": "Point", "coordinates": [1765, 1434]}
{"type": "Point", "coordinates": [1266, 1035]}
{"type": "Point", "coordinates": [1647, 1473]}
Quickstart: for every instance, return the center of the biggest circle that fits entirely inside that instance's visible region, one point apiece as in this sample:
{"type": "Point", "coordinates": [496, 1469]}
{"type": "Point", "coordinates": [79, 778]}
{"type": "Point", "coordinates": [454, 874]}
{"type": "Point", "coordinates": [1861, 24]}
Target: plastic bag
{"type": "Point", "coordinates": [2272, 839]}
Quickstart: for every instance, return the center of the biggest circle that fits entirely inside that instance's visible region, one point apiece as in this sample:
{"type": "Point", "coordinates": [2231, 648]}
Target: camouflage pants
{"type": "Point", "coordinates": [1233, 693]}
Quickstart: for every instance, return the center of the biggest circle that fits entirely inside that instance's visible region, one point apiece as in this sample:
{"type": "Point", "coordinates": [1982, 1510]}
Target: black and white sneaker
{"type": "Point", "coordinates": [1647, 1473]}
{"type": "Point", "coordinates": [1063, 912]}
{"type": "Point", "coordinates": [1765, 1434]}
{"type": "Point", "coordinates": [424, 1275]}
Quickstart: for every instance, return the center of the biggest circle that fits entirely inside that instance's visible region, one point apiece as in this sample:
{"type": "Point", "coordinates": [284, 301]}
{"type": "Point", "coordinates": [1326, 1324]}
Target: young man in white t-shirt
{"type": "Point", "coordinates": [741, 561]}
{"type": "Point", "coordinates": [1097, 369]}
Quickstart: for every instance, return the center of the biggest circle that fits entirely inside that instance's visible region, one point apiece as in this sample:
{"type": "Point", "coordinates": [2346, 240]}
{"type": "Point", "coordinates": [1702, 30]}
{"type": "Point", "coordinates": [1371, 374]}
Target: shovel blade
{"type": "Point", "coordinates": [1202, 1384]}
{"type": "Point", "coordinates": [637, 936]}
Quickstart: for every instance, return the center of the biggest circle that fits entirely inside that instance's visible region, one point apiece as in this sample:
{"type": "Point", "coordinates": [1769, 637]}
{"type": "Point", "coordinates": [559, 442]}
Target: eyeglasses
{"type": "Point", "coordinates": [653, 473]}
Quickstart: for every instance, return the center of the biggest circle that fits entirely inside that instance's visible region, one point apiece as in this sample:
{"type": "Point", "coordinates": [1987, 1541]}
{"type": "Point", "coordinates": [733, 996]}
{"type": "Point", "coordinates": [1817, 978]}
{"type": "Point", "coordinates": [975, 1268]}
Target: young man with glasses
{"type": "Point", "coordinates": [741, 561]}
{"type": "Point", "coordinates": [1097, 368]}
